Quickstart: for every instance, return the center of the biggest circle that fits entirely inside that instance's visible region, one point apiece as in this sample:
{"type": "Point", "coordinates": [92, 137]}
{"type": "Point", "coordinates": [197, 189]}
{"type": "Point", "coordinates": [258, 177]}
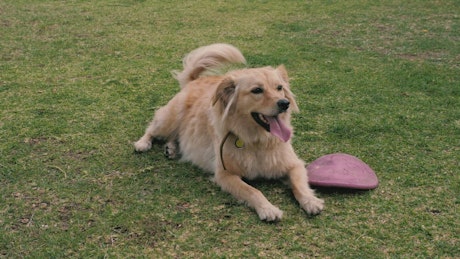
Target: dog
{"type": "Point", "coordinates": [235, 125]}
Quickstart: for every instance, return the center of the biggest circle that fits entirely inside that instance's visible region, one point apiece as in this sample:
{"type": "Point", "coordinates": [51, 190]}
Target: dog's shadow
{"type": "Point", "coordinates": [331, 191]}
{"type": "Point", "coordinates": [283, 184]}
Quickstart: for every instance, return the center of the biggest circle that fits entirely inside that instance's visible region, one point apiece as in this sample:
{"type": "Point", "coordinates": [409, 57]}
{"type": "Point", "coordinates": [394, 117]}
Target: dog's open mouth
{"type": "Point", "coordinates": [273, 125]}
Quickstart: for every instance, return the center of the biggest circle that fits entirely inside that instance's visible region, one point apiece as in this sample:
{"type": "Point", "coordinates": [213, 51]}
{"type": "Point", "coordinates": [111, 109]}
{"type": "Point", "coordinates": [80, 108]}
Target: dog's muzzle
{"type": "Point", "coordinates": [283, 105]}
{"type": "Point", "coordinates": [274, 124]}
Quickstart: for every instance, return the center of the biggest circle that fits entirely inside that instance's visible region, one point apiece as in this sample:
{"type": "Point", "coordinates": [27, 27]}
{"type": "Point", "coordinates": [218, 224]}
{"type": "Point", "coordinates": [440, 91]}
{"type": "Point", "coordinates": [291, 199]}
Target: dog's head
{"type": "Point", "coordinates": [257, 99]}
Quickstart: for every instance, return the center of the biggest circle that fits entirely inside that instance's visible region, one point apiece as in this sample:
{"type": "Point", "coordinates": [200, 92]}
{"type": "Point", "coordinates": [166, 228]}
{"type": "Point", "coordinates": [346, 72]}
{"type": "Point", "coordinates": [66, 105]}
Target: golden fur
{"type": "Point", "coordinates": [214, 121]}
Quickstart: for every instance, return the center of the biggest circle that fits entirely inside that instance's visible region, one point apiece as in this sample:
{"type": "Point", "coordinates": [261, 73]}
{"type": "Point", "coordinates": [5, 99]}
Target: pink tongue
{"type": "Point", "coordinates": [278, 128]}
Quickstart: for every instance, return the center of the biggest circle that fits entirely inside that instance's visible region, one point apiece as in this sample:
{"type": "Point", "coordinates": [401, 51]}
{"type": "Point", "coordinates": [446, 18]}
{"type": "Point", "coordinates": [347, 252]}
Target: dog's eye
{"type": "Point", "coordinates": [257, 90]}
{"type": "Point", "coordinates": [279, 87]}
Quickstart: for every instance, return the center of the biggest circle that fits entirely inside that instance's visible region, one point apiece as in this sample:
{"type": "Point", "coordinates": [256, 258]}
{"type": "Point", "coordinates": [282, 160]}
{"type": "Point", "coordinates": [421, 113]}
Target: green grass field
{"type": "Point", "coordinates": [79, 81]}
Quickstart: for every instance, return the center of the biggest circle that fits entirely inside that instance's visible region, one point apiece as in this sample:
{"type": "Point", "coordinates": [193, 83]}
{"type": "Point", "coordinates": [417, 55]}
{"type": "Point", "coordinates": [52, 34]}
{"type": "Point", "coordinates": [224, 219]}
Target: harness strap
{"type": "Point", "coordinates": [222, 148]}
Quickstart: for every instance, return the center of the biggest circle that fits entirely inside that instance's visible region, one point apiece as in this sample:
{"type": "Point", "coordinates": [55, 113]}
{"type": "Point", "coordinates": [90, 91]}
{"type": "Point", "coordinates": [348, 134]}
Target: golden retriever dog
{"type": "Point", "coordinates": [235, 125]}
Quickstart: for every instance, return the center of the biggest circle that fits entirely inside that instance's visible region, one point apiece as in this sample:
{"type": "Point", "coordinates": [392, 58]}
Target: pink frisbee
{"type": "Point", "coordinates": [342, 171]}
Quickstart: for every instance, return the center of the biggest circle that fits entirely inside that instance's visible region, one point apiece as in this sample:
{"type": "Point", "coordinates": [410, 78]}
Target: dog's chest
{"type": "Point", "coordinates": [254, 161]}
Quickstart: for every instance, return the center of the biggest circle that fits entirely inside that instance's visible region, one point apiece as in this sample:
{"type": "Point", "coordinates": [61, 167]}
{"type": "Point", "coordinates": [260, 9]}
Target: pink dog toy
{"type": "Point", "coordinates": [342, 171]}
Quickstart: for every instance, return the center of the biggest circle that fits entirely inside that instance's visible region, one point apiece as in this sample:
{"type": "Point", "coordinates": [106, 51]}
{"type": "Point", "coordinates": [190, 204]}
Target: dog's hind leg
{"type": "Point", "coordinates": [164, 125]}
{"type": "Point", "coordinates": [171, 149]}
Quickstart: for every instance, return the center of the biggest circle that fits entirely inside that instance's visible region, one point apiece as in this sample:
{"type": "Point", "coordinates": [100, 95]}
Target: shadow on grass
{"type": "Point", "coordinates": [340, 191]}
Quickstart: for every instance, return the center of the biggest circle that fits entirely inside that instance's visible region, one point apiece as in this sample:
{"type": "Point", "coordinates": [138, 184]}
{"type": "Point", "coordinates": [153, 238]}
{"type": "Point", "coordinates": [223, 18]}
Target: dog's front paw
{"type": "Point", "coordinates": [142, 145]}
{"type": "Point", "coordinates": [313, 205]}
{"type": "Point", "coordinates": [269, 213]}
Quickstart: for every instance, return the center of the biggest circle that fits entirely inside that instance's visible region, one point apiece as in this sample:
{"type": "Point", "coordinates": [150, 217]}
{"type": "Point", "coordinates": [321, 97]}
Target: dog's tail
{"type": "Point", "coordinates": [207, 58]}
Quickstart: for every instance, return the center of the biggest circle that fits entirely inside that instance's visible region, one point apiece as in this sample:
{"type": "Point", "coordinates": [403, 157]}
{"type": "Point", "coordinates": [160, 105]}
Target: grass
{"type": "Point", "coordinates": [79, 80]}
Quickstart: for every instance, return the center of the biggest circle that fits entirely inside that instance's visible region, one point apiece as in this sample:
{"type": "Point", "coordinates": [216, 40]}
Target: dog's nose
{"type": "Point", "coordinates": [283, 105]}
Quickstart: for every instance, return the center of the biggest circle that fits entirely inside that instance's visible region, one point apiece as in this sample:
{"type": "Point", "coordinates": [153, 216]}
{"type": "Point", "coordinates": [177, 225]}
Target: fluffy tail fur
{"type": "Point", "coordinates": [207, 58]}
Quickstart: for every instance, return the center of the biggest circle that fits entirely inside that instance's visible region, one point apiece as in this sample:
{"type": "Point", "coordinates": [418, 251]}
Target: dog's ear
{"type": "Point", "coordinates": [290, 96]}
{"type": "Point", "coordinates": [287, 92]}
{"type": "Point", "coordinates": [225, 97]}
{"type": "Point", "coordinates": [283, 73]}
{"type": "Point", "coordinates": [224, 92]}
